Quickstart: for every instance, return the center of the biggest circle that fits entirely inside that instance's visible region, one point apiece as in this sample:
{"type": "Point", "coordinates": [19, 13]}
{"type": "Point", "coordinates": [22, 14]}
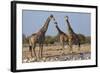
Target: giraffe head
{"type": "Point", "coordinates": [52, 17]}
{"type": "Point", "coordinates": [66, 17]}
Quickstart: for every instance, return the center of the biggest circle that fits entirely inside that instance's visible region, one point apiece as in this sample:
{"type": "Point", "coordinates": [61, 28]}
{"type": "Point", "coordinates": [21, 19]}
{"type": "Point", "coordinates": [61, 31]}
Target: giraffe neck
{"type": "Point", "coordinates": [70, 30]}
{"type": "Point", "coordinates": [45, 27]}
{"type": "Point", "coordinates": [59, 29]}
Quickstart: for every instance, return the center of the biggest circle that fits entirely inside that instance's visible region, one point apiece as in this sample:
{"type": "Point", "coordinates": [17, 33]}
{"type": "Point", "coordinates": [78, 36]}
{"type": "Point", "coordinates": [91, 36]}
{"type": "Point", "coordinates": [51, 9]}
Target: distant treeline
{"type": "Point", "coordinates": [55, 39]}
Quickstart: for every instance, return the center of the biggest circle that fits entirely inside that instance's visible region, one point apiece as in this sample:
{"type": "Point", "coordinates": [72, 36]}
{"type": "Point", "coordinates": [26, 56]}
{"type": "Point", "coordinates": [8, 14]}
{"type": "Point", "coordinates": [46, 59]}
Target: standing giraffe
{"type": "Point", "coordinates": [62, 37]}
{"type": "Point", "coordinates": [39, 38]}
{"type": "Point", "coordinates": [73, 37]}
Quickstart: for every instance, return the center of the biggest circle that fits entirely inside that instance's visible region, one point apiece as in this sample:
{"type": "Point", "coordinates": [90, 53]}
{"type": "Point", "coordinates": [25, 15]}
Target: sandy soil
{"type": "Point", "coordinates": [55, 53]}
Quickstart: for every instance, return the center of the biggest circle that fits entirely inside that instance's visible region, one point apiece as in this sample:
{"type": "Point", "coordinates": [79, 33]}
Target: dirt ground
{"type": "Point", "coordinates": [55, 53]}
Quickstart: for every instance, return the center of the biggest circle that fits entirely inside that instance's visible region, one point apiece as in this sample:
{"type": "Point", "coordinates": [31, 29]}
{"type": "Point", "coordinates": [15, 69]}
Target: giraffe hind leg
{"type": "Point", "coordinates": [63, 48]}
{"type": "Point", "coordinates": [41, 51]}
{"type": "Point", "coordinates": [30, 49]}
{"type": "Point", "coordinates": [70, 46]}
{"type": "Point", "coordinates": [79, 45]}
{"type": "Point", "coordinates": [33, 49]}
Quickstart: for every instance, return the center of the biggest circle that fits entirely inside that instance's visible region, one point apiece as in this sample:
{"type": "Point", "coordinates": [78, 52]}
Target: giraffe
{"type": "Point", "coordinates": [63, 37]}
{"type": "Point", "coordinates": [73, 37]}
{"type": "Point", "coordinates": [39, 38]}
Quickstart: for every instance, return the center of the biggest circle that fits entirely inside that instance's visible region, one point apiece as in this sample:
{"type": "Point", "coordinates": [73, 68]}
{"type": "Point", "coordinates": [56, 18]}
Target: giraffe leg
{"type": "Point", "coordinates": [30, 50]}
{"type": "Point", "coordinates": [62, 45]}
{"type": "Point", "coordinates": [34, 50]}
{"type": "Point", "coordinates": [32, 45]}
{"type": "Point", "coordinates": [62, 48]}
{"type": "Point", "coordinates": [70, 46]}
{"type": "Point", "coordinates": [40, 51]}
{"type": "Point", "coordinates": [79, 46]}
{"type": "Point", "coordinates": [41, 54]}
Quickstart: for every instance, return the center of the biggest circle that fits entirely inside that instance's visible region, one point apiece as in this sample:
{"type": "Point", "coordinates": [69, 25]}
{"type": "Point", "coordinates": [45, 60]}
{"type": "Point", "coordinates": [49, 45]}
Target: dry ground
{"type": "Point", "coordinates": [55, 53]}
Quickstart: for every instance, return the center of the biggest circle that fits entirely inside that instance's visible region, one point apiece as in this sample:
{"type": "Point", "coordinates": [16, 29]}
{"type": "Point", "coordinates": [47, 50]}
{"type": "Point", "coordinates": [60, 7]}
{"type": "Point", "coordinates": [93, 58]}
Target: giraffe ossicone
{"type": "Point", "coordinates": [66, 17]}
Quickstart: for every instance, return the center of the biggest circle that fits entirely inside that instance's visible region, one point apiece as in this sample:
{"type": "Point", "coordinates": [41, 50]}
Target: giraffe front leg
{"type": "Point", "coordinates": [41, 54]}
{"type": "Point", "coordinates": [41, 51]}
{"type": "Point", "coordinates": [70, 46]}
{"type": "Point", "coordinates": [63, 48]}
{"type": "Point", "coordinates": [79, 46]}
{"type": "Point", "coordinates": [32, 51]}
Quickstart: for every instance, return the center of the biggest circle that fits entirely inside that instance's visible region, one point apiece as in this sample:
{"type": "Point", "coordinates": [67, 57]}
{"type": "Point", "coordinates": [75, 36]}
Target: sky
{"type": "Point", "coordinates": [33, 20]}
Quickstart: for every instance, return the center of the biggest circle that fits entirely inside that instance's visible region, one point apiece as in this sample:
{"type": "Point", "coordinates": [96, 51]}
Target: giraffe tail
{"type": "Point", "coordinates": [30, 48]}
{"type": "Point", "coordinates": [79, 44]}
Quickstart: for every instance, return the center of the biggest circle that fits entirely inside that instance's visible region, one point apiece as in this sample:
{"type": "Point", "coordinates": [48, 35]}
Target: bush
{"type": "Point", "coordinates": [49, 40]}
{"type": "Point", "coordinates": [84, 39]}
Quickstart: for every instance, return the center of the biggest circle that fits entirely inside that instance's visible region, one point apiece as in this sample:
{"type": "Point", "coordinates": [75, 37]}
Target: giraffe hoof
{"type": "Point", "coordinates": [32, 59]}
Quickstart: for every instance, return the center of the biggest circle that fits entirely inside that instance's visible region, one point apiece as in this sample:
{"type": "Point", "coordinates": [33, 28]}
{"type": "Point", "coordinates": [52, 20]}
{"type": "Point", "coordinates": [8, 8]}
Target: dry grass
{"type": "Point", "coordinates": [55, 53]}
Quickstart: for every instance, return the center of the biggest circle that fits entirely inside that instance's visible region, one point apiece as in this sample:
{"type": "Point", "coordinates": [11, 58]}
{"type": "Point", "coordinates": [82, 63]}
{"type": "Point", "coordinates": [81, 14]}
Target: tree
{"type": "Point", "coordinates": [49, 40]}
{"type": "Point", "coordinates": [88, 39]}
{"type": "Point", "coordinates": [82, 38]}
{"type": "Point", "coordinates": [25, 39]}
